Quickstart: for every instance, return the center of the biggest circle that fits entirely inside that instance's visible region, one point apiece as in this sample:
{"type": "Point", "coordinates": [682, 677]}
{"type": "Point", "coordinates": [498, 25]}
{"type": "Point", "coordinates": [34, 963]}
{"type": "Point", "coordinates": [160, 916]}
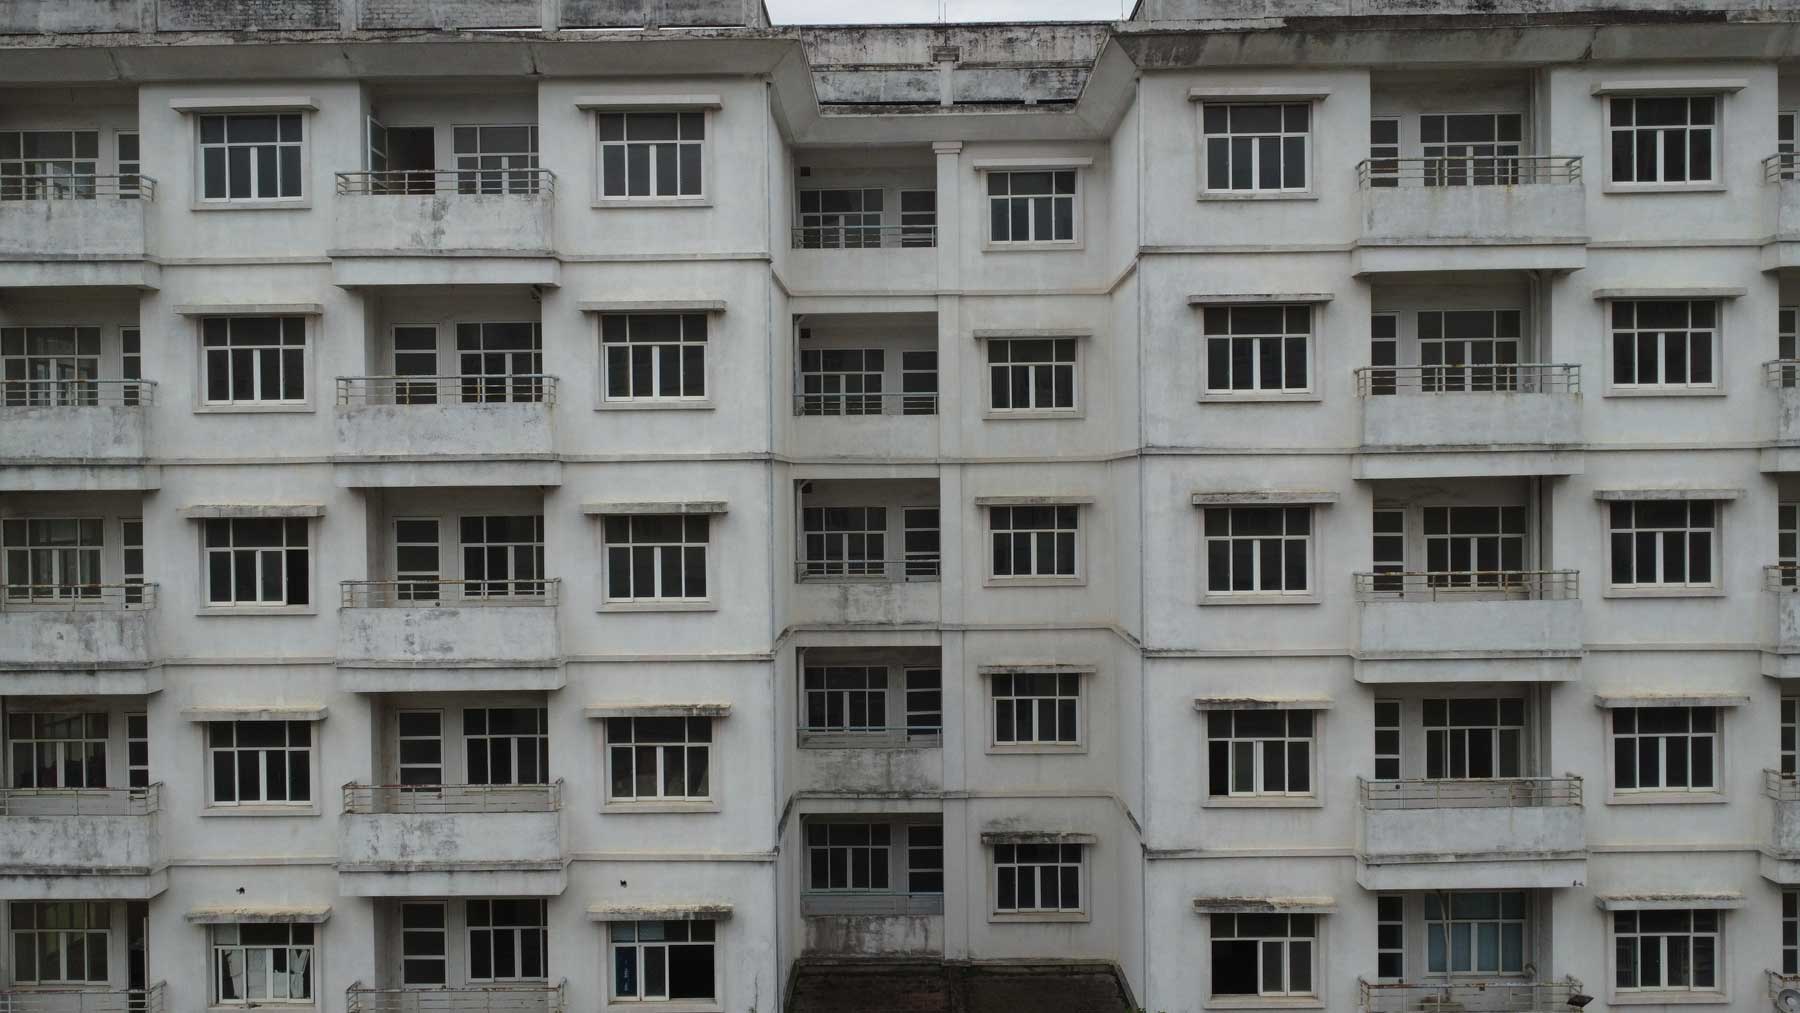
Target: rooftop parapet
{"type": "Point", "coordinates": [1231, 10]}
{"type": "Point", "coordinates": [90, 16]}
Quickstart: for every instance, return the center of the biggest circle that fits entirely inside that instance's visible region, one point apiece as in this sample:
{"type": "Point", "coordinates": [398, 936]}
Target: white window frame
{"type": "Point", "coordinates": [1390, 747]}
{"type": "Point", "coordinates": [1225, 315]}
{"type": "Point", "coordinates": [816, 686]}
{"type": "Point", "coordinates": [201, 147]}
{"type": "Point", "coordinates": [516, 172]}
{"type": "Point", "coordinates": [85, 748]}
{"type": "Point", "coordinates": [1033, 240]}
{"type": "Point", "coordinates": [256, 402]}
{"type": "Point", "coordinates": [1005, 857]}
{"type": "Point", "coordinates": [842, 381]}
{"type": "Point", "coordinates": [686, 545]}
{"type": "Point", "coordinates": [1636, 735]}
{"type": "Point", "coordinates": [697, 738]}
{"type": "Point", "coordinates": [1230, 539]}
{"type": "Point", "coordinates": [1789, 748]}
{"type": "Point", "coordinates": [1446, 924]}
{"type": "Point", "coordinates": [512, 933]}
{"type": "Point", "coordinates": [1032, 368]}
{"type": "Point", "coordinates": [305, 952]}
{"type": "Point", "coordinates": [309, 760]}
{"type": "Point", "coordinates": [707, 129]}
{"type": "Point", "coordinates": [1286, 944]}
{"type": "Point", "coordinates": [924, 856]}
{"type": "Point", "coordinates": [1390, 935]}
{"type": "Point", "coordinates": [1716, 130]}
{"type": "Point", "coordinates": [1259, 748]}
{"type": "Point", "coordinates": [54, 583]}
{"type": "Point", "coordinates": [95, 931]}
{"type": "Point", "coordinates": [62, 387]}
{"type": "Point", "coordinates": [1497, 374]}
{"type": "Point", "coordinates": [1439, 738]}
{"type": "Point", "coordinates": [68, 182]}
{"type": "Point", "coordinates": [1078, 563]}
{"type": "Point", "coordinates": [288, 542]}
{"type": "Point", "coordinates": [440, 934]}
{"type": "Point", "coordinates": [1790, 932]}
{"type": "Point", "coordinates": [514, 743]}
{"type": "Point", "coordinates": [857, 228]}
{"type": "Point", "coordinates": [1713, 337]}
{"type": "Point", "coordinates": [618, 943]}
{"type": "Point", "coordinates": [1007, 696]}
{"type": "Point", "coordinates": [1212, 187]}
{"type": "Point", "coordinates": [524, 558]}
{"type": "Point", "coordinates": [875, 855]}
{"type": "Point", "coordinates": [1665, 942]}
{"type": "Point", "coordinates": [684, 321]}
{"type": "Point", "coordinates": [1714, 531]}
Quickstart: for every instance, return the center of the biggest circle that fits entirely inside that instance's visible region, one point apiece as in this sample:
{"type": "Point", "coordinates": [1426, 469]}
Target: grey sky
{"type": "Point", "coordinates": [830, 12]}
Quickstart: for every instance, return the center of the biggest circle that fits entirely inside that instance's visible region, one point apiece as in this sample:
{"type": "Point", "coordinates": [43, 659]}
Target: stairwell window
{"type": "Point", "coordinates": [1665, 749]}
{"type": "Point", "coordinates": [1263, 954]}
{"type": "Point", "coordinates": [1260, 148]}
{"type": "Point", "coordinates": [1664, 544]}
{"type": "Point", "coordinates": [651, 558]}
{"type": "Point", "coordinates": [663, 960]}
{"type": "Point", "coordinates": [1037, 708]}
{"type": "Point", "coordinates": [1666, 140]}
{"type": "Point", "coordinates": [1034, 541]}
{"type": "Point", "coordinates": [1032, 375]}
{"type": "Point", "coordinates": [1036, 206]}
{"type": "Point", "coordinates": [659, 759]}
{"type": "Point", "coordinates": [654, 357]}
{"type": "Point", "coordinates": [251, 157]}
{"type": "Point", "coordinates": [1662, 950]}
{"type": "Point", "coordinates": [1665, 345]}
{"type": "Point", "coordinates": [1258, 550]}
{"type": "Point", "coordinates": [254, 360]}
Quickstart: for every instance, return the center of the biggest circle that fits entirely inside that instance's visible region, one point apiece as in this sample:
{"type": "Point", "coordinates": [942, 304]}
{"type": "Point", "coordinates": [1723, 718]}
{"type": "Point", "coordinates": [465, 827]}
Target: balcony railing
{"type": "Point", "coordinates": [76, 393]}
{"type": "Point", "coordinates": [865, 404]}
{"type": "Point", "coordinates": [393, 799]}
{"type": "Point", "coordinates": [404, 182]}
{"type": "Point", "coordinates": [1510, 378]}
{"type": "Point", "coordinates": [429, 592]}
{"type": "Point", "coordinates": [520, 998]}
{"type": "Point", "coordinates": [1469, 585]}
{"type": "Point", "coordinates": [81, 802]}
{"type": "Point", "coordinates": [1782, 577]}
{"type": "Point", "coordinates": [82, 187]}
{"type": "Point", "coordinates": [1482, 793]}
{"type": "Point", "coordinates": [918, 568]}
{"type": "Point", "coordinates": [518, 388]}
{"type": "Point", "coordinates": [1782, 373]}
{"type": "Point", "coordinates": [77, 597]}
{"type": "Point", "coordinates": [864, 237]}
{"type": "Point", "coordinates": [84, 1000]}
{"type": "Point", "coordinates": [1781, 787]}
{"type": "Point", "coordinates": [1468, 170]}
{"type": "Point", "coordinates": [1783, 166]}
{"type": "Point", "coordinates": [1500, 996]}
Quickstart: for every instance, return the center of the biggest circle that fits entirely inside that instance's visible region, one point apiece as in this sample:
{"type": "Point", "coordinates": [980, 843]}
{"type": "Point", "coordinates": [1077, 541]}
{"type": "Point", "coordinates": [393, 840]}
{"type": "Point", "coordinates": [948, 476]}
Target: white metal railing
{"type": "Point", "coordinates": [516, 388]}
{"type": "Point", "coordinates": [523, 997]}
{"type": "Point", "coordinates": [1783, 166]}
{"type": "Point", "coordinates": [83, 1000]}
{"type": "Point", "coordinates": [387, 799]}
{"type": "Point", "coordinates": [1496, 996]}
{"type": "Point", "coordinates": [918, 568]}
{"type": "Point", "coordinates": [1508, 378]}
{"type": "Point", "coordinates": [1782, 373]}
{"type": "Point", "coordinates": [864, 237]}
{"type": "Point", "coordinates": [1468, 170]}
{"type": "Point", "coordinates": [1474, 793]}
{"type": "Point", "coordinates": [87, 186]}
{"type": "Point", "coordinates": [81, 802]}
{"type": "Point", "coordinates": [1783, 577]}
{"type": "Point", "coordinates": [865, 404]}
{"type": "Point", "coordinates": [77, 597]}
{"type": "Point", "coordinates": [76, 393]}
{"type": "Point", "coordinates": [429, 592]}
{"type": "Point", "coordinates": [1468, 585]}
{"type": "Point", "coordinates": [404, 182]}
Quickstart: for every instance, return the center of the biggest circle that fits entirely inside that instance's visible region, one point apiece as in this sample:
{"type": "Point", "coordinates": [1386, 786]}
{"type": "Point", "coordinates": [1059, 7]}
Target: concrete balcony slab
{"type": "Point", "coordinates": [846, 602]}
{"type": "Point", "coordinates": [81, 844]}
{"type": "Point", "coordinates": [1476, 420]}
{"type": "Point", "coordinates": [1469, 640]}
{"type": "Point", "coordinates": [1781, 657]}
{"type": "Point", "coordinates": [1539, 225]}
{"type": "Point", "coordinates": [881, 763]}
{"type": "Point", "coordinates": [1781, 850]}
{"type": "Point", "coordinates": [449, 647]}
{"type": "Point", "coordinates": [876, 271]}
{"type": "Point", "coordinates": [1469, 843]}
{"type": "Point", "coordinates": [409, 445]}
{"type": "Point", "coordinates": [864, 437]}
{"type": "Point", "coordinates": [441, 238]}
{"type": "Point", "coordinates": [110, 434]}
{"type": "Point", "coordinates": [68, 242]}
{"type": "Point", "coordinates": [452, 840]}
{"type": "Point", "coordinates": [1782, 252]}
{"type": "Point", "coordinates": [52, 650]}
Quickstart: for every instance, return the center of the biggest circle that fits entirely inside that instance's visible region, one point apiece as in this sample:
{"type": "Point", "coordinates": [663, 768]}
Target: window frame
{"type": "Point", "coordinates": [1060, 677]}
{"type": "Point", "coordinates": [1083, 881]}
{"type": "Point", "coordinates": [307, 806]}
{"type": "Point", "coordinates": [1258, 796]}
{"type": "Point", "coordinates": [203, 404]}
{"type": "Point", "coordinates": [1721, 956]}
{"type": "Point", "coordinates": [688, 744]}
{"type": "Point", "coordinates": [230, 606]}
{"type": "Point", "coordinates": [1309, 338]}
{"type": "Point", "coordinates": [1309, 594]}
{"type": "Point", "coordinates": [654, 401]}
{"type": "Point", "coordinates": [81, 389]}
{"type": "Point", "coordinates": [495, 931]}
{"type": "Point", "coordinates": [1208, 191]}
{"type": "Point", "coordinates": [709, 567]}
{"type": "Point", "coordinates": [1715, 349]}
{"type": "Point", "coordinates": [1078, 575]}
{"type": "Point", "coordinates": [88, 930]}
{"type": "Point", "coordinates": [1715, 180]}
{"type": "Point", "coordinates": [1076, 365]}
{"type": "Point", "coordinates": [216, 949]}
{"type": "Point", "coordinates": [1285, 941]}
{"type": "Point", "coordinates": [637, 945]}
{"type": "Point", "coordinates": [708, 133]}
{"type": "Point", "coordinates": [1447, 920]}
{"type": "Point", "coordinates": [1712, 586]}
{"type": "Point", "coordinates": [1663, 792]}
{"type": "Point", "coordinates": [200, 202]}
{"type": "Point", "coordinates": [1077, 235]}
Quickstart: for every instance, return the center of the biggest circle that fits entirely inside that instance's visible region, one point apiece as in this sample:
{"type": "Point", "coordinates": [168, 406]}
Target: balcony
{"type": "Point", "coordinates": [81, 843]}
{"type": "Point", "coordinates": [428, 636]}
{"type": "Point", "coordinates": [452, 840]}
{"type": "Point", "coordinates": [409, 431]}
{"type": "Point", "coordinates": [1427, 421]}
{"type": "Point", "coordinates": [1781, 654]}
{"type": "Point", "coordinates": [78, 640]}
{"type": "Point", "coordinates": [76, 231]}
{"type": "Point", "coordinates": [1782, 376]}
{"type": "Point", "coordinates": [84, 1000]}
{"type": "Point", "coordinates": [871, 259]}
{"type": "Point", "coordinates": [1782, 172]}
{"type": "Point", "coordinates": [521, 998]}
{"type": "Point", "coordinates": [74, 423]}
{"type": "Point", "coordinates": [1463, 996]}
{"type": "Point", "coordinates": [1498, 626]}
{"type": "Point", "coordinates": [1490, 834]}
{"type": "Point", "coordinates": [865, 426]}
{"type": "Point", "coordinates": [867, 591]}
{"type": "Point", "coordinates": [444, 227]}
{"type": "Point", "coordinates": [1472, 213]}
{"type": "Point", "coordinates": [1781, 850]}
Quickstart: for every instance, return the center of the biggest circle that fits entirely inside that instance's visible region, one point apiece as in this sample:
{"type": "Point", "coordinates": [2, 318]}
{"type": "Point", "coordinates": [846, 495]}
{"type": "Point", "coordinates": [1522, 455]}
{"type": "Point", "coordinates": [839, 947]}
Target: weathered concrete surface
{"type": "Point", "coordinates": [75, 640]}
{"type": "Point", "coordinates": [1460, 627]}
{"type": "Point", "coordinates": [71, 845]}
{"type": "Point", "coordinates": [455, 429]}
{"type": "Point", "coordinates": [437, 223]}
{"type": "Point", "coordinates": [833, 986]}
{"type": "Point", "coordinates": [1783, 662]}
{"type": "Point", "coordinates": [876, 935]}
{"type": "Point", "coordinates": [877, 769]}
{"type": "Point", "coordinates": [865, 437]}
{"type": "Point", "coordinates": [1502, 847]}
{"type": "Point", "coordinates": [243, 15]}
{"type": "Point", "coordinates": [75, 432]}
{"type": "Point", "coordinates": [1787, 419]}
{"type": "Point", "coordinates": [444, 635]}
{"type": "Point", "coordinates": [888, 602]}
{"type": "Point", "coordinates": [460, 854]}
{"type": "Point", "coordinates": [1471, 420]}
{"type": "Point", "coordinates": [27, 16]}
{"type": "Point", "coordinates": [1548, 213]}
{"type": "Point", "coordinates": [904, 271]}
{"type": "Point", "coordinates": [663, 13]}
{"type": "Point", "coordinates": [377, 14]}
{"type": "Point", "coordinates": [1784, 252]}
{"type": "Point", "coordinates": [1211, 10]}
{"type": "Point", "coordinates": [102, 228]}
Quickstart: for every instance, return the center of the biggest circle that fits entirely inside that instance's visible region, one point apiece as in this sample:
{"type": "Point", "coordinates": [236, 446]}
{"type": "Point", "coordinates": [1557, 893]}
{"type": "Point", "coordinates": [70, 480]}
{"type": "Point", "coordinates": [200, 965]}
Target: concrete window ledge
{"type": "Point", "coordinates": [659, 606]}
{"type": "Point", "coordinates": [1210, 195]}
{"type": "Point", "coordinates": [666, 1007]}
{"type": "Point", "coordinates": [1257, 398]}
{"type": "Point", "coordinates": [1660, 592]}
{"type": "Point", "coordinates": [657, 808]}
{"type": "Point", "coordinates": [1668, 798]}
{"type": "Point", "coordinates": [656, 406]}
{"type": "Point", "coordinates": [1668, 999]}
{"type": "Point", "coordinates": [1260, 1002]}
{"type": "Point", "coordinates": [1271, 802]}
{"type": "Point", "coordinates": [295, 610]}
{"type": "Point", "coordinates": [1207, 601]}
{"type": "Point", "coordinates": [1062, 917]}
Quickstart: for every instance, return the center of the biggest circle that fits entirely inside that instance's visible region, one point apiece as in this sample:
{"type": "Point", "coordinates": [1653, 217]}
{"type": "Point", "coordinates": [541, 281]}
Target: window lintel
{"type": "Point", "coordinates": [300, 914]}
{"type": "Point", "coordinates": [1262, 703]}
{"type": "Point", "coordinates": [272, 712]}
{"type": "Point", "coordinates": [1265, 497]}
{"type": "Point", "coordinates": [1037, 837]}
{"type": "Point", "coordinates": [245, 104]}
{"type": "Point", "coordinates": [256, 309]}
{"type": "Point", "coordinates": [1265, 905]}
{"type": "Point", "coordinates": [685, 911]}
{"type": "Point", "coordinates": [655, 306]}
{"type": "Point", "coordinates": [657, 710]}
{"type": "Point", "coordinates": [1012, 501]}
{"type": "Point", "coordinates": [1249, 95]}
{"type": "Point", "coordinates": [1728, 899]}
{"type": "Point", "coordinates": [1676, 86]}
{"type": "Point", "coordinates": [646, 103]}
{"type": "Point", "coordinates": [619, 509]}
{"type": "Point", "coordinates": [1027, 668]}
{"type": "Point", "coordinates": [1635, 495]}
{"type": "Point", "coordinates": [1715, 292]}
{"type": "Point", "coordinates": [250, 511]}
{"type": "Point", "coordinates": [1671, 700]}
{"type": "Point", "coordinates": [1257, 298]}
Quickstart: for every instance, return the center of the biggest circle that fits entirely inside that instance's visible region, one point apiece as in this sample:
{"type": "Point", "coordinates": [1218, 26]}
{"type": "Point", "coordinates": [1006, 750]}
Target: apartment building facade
{"type": "Point", "coordinates": [537, 505]}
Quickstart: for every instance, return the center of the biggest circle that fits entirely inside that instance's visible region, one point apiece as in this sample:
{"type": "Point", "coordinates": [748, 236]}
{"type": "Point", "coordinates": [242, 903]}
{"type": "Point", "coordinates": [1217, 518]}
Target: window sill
{"type": "Point", "coordinates": [1310, 598]}
{"type": "Point", "coordinates": [1263, 802]}
{"type": "Point", "coordinates": [1064, 246]}
{"type": "Point", "coordinates": [1032, 416]}
{"type": "Point", "coordinates": [1005, 582]}
{"type": "Point", "coordinates": [290, 204]}
{"type": "Point", "coordinates": [1263, 1002]}
{"type": "Point", "coordinates": [1629, 188]}
{"type": "Point", "coordinates": [628, 808]}
{"type": "Point", "coordinates": [1664, 392]}
{"type": "Point", "coordinates": [1048, 917]}
{"type": "Point", "coordinates": [658, 606]}
{"type": "Point", "coordinates": [1666, 798]}
{"type": "Point", "coordinates": [1258, 398]}
{"type": "Point", "coordinates": [664, 1006]}
{"type": "Point", "coordinates": [867, 740]}
{"type": "Point", "coordinates": [1667, 998]}
{"type": "Point", "coordinates": [1038, 749]}
{"type": "Point", "coordinates": [699, 405]}
{"type": "Point", "coordinates": [611, 203]}
{"type": "Point", "coordinates": [252, 409]}
{"type": "Point", "coordinates": [1230, 195]}
{"type": "Point", "coordinates": [259, 810]}
{"type": "Point", "coordinates": [1663, 592]}
{"type": "Point", "coordinates": [276, 610]}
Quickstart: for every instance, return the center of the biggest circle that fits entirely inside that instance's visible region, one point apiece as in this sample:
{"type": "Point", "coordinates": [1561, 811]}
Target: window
{"type": "Point", "coordinates": [1390, 937]}
{"type": "Point", "coordinates": [57, 750]}
{"type": "Point", "coordinates": [1663, 139]}
{"type": "Point", "coordinates": [660, 759]}
{"type": "Point", "coordinates": [137, 750]}
{"type": "Point", "coordinates": [921, 540]}
{"type": "Point", "coordinates": [262, 963]}
{"type": "Point", "coordinates": [841, 381]}
{"type": "Point", "coordinates": [1790, 932]}
{"type": "Point", "coordinates": [254, 360]}
{"type": "Point", "coordinates": [1469, 350]}
{"type": "Point", "coordinates": [1037, 878]}
{"type": "Point", "coordinates": [60, 943]}
{"type": "Point", "coordinates": [1257, 349]}
{"type": "Point", "coordinates": [1384, 350]}
{"type": "Point", "coordinates": [1259, 753]}
{"type": "Point", "coordinates": [656, 558]}
{"type": "Point", "coordinates": [1663, 543]}
{"type": "Point", "coordinates": [1251, 148]}
{"type": "Point", "coordinates": [503, 557]}
{"type": "Point", "coordinates": [1037, 708]}
{"type": "Point", "coordinates": [845, 541]}
{"type": "Point", "coordinates": [1479, 149]}
{"type": "Point", "coordinates": [50, 366]}
{"type": "Point", "coordinates": [1388, 550]}
{"type": "Point", "coordinates": [252, 156]}
{"type": "Point", "coordinates": [42, 164]}
{"type": "Point", "coordinates": [129, 165]}
{"type": "Point", "coordinates": [131, 364]}
{"type": "Point", "coordinates": [417, 560]}
{"type": "Point", "coordinates": [925, 858]}
{"type": "Point", "coordinates": [1262, 954]}
{"type": "Point", "coordinates": [508, 940]}
{"type": "Point", "coordinates": [1790, 732]}
{"type": "Point", "coordinates": [1387, 740]}
{"type": "Point", "coordinates": [1664, 344]}
{"type": "Point", "coordinates": [424, 944]}
{"type": "Point", "coordinates": [654, 357]}
{"type": "Point", "coordinates": [1032, 374]}
{"type": "Point", "coordinates": [1666, 950]}
{"type": "Point", "coordinates": [1474, 546]}
{"type": "Point", "coordinates": [496, 159]}
{"type": "Point", "coordinates": [52, 558]}
{"type": "Point", "coordinates": [416, 354]}
{"type": "Point", "coordinates": [1031, 207]}
{"type": "Point", "coordinates": [670, 960]}
{"type": "Point", "coordinates": [651, 155]}
{"type": "Point", "coordinates": [1664, 748]}
{"type": "Point", "coordinates": [924, 703]}
{"type": "Point", "coordinates": [501, 362]}
{"type": "Point", "coordinates": [256, 561]}
{"type": "Point", "coordinates": [840, 219]}
{"type": "Point", "coordinates": [1787, 129]}
{"type": "Point", "coordinates": [420, 735]}
{"type": "Point", "coordinates": [1257, 550]}
{"type": "Point", "coordinates": [918, 218]}
{"type": "Point", "coordinates": [1787, 344]}
{"type": "Point", "coordinates": [131, 562]}
{"type": "Point", "coordinates": [1787, 543]}
{"type": "Point", "coordinates": [260, 762]}
{"type": "Point", "coordinates": [919, 382]}
{"type": "Point", "coordinates": [1480, 933]}
{"type": "Point", "coordinates": [848, 856]}
{"type": "Point", "coordinates": [507, 745]}
{"type": "Point", "coordinates": [1474, 738]}
{"type": "Point", "coordinates": [845, 698]}
{"type": "Point", "coordinates": [1384, 152]}
{"type": "Point", "coordinates": [1034, 541]}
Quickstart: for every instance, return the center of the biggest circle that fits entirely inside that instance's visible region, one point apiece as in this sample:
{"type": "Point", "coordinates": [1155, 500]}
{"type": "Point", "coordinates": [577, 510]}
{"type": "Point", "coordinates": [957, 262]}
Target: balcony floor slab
{"type": "Point", "coordinates": [1551, 871]}
{"type": "Point", "coordinates": [87, 885]}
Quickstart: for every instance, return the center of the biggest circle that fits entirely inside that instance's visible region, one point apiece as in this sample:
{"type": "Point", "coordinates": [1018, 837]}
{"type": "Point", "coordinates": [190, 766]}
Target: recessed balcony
{"type": "Point", "coordinates": [1472, 213]}
{"type": "Point", "coordinates": [1782, 377]}
{"type": "Point", "coordinates": [408, 431]}
{"type": "Point", "coordinates": [1781, 851]}
{"type": "Point", "coordinates": [75, 421]}
{"type": "Point", "coordinates": [75, 231]}
{"type": "Point", "coordinates": [1782, 173]}
{"type": "Point", "coordinates": [421, 635]}
{"type": "Point", "coordinates": [1781, 656]}
{"type": "Point", "coordinates": [444, 227]}
{"type": "Point", "coordinates": [1488, 834]}
{"type": "Point", "coordinates": [519, 997]}
{"type": "Point", "coordinates": [865, 426]}
{"type": "Point", "coordinates": [452, 840]}
{"type": "Point", "coordinates": [81, 843]}
{"type": "Point", "coordinates": [78, 640]}
{"type": "Point", "coordinates": [1475, 626]}
{"type": "Point", "coordinates": [1426, 421]}
{"type": "Point", "coordinates": [1501, 995]}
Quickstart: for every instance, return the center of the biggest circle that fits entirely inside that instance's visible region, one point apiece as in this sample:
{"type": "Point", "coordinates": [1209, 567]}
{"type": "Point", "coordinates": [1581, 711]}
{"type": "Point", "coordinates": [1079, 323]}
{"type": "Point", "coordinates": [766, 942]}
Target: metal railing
{"type": "Point", "coordinates": [519, 998]}
{"type": "Point", "coordinates": [81, 801]}
{"type": "Point", "coordinates": [77, 597]}
{"type": "Point", "coordinates": [1782, 166]}
{"type": "Point", "coordinates": [409, 182]}
{"type": "Point", "coordinates": [1783, 577]}
{"type": "Point", "coordinates": [865, 404]}
{"type": "Point", "coordinates": [76, 393]}
{"type": "Point", "coordinates": [84, 1000]}
{"type": "Point", "coordinates": [1781, 787]}
{"type": "Point", "coordinates": [425, 592]}
{"type": "Point", "coordinates": [1468, 170]}
{"type": "Point", "coordinates": [1477, 793]}
{"type": "Point", "coordinates": [1495, 996]}
{"type": "Point", "coordinates": [390, 799]}
{"type": "Point", "coordinates": [1469, 585]}
{"type": "Point", "coordinates": [1782, 373]}
{"type": "Point", "coordinates": [517, 388]}
{"type": "Point", "coordinates": [1510, 378]}
{"type": "Point", "coordinates": [864, 237]}
{"type": "Point", "coordinates": [77, 187]}
{"type": "Point", "coordinates": [919, 568]}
